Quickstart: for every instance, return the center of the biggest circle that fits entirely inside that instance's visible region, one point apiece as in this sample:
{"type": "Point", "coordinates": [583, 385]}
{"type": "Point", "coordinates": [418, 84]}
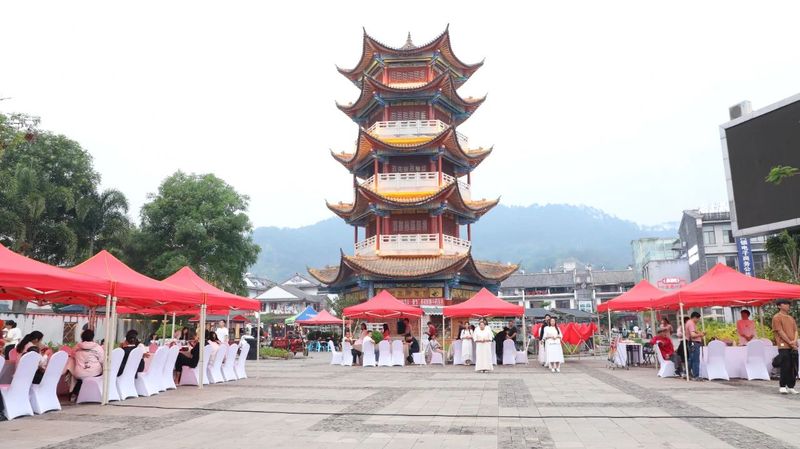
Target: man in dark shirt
{"type": "Point", "coordinates": [499, 338]}
{"type": "Point", "coordinates": [512, 332]}
{"type": "Point", "coordinates": [413, 346]}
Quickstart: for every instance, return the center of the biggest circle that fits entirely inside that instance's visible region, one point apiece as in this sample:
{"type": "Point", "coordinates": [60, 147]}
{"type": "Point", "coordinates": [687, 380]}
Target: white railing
{"type": "Point", "coordinates": [366, 247]}
{"type": "Point", "coordinates": [411, 244]}
{"type": "Point", "coordinates": [462, 140]}
{"type": "Point", "coordinates": [455, 244]}
{"type": "Point", "coordinates": [407, 128]}
{"type": "Point", "coordinates": [414, 182]}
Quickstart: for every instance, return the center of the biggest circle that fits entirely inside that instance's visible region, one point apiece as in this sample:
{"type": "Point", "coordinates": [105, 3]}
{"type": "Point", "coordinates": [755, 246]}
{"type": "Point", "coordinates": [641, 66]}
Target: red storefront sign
{"type": "Point", "coordinates": [422, 301]}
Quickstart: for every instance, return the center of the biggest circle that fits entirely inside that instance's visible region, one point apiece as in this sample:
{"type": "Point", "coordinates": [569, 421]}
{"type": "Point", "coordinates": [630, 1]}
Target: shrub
{"type": "Point", "coordinates": [275, 353]}
{"type": "Point", "coordinates": [376, 336]}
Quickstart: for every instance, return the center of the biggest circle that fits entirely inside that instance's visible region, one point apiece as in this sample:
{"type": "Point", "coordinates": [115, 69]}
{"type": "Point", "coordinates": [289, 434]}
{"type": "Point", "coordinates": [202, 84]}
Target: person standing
{"type": "Point", "coordinates": [222, 332]}
{"type": "Point", "coordinates": [431, 330]}
{"type": "Point", "coordinates": [746, 328]}
{"type": "Point", "coordinates": [552, 338]}
{"type": "Point", "coordinates": [499, 338]}
{"type": "Point", "coordinates": [13, 337]}
{"type": "Point", "coordinates": [511, 334]}
{"type": "Point", "coordinates": [785, 329]}
{"type": "Point", "coordinates": [483, 347]}
{"type": "Point", "coordinates": [466, 344]}
{"type": "Point", "coordinates": [695, 341]}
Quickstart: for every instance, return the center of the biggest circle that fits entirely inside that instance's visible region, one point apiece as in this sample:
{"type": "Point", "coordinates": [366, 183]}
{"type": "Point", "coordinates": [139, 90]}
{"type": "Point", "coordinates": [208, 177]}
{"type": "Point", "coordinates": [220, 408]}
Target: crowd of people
{"type": "Point", "coordinates": [87, 357]}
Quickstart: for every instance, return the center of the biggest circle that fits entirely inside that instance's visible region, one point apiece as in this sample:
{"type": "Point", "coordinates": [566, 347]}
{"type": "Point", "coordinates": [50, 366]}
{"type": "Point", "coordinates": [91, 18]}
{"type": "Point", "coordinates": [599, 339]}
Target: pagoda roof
{"type": "Point", "coordinates": [372, 47]}
{"type": "Point", "coordinates": [443, 84]}
{"type": "Point", "coordinates": [450, 193]}
{"type": "Point", "coordinates": [412, 267]}
{"type": "Point", "coordinates": [367, 144]}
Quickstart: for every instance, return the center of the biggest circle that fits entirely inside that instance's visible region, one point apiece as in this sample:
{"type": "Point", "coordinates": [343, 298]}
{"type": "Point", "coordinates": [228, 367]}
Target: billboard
{"type": "Point", "coordinates": [751, 146]}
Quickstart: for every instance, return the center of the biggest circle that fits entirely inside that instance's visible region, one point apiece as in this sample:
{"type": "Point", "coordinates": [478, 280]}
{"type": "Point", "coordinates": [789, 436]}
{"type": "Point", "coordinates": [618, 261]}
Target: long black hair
{"type": "Point", "coordinates": [35, 335]}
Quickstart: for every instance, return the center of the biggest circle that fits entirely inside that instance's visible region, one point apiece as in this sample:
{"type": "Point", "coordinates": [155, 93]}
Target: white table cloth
{"type": "Point", "coordinates": [735, 359]}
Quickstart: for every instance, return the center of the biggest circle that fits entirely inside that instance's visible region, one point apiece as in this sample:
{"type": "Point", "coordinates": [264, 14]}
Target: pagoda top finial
{"type": "Point", "coordinates": [409, 44]}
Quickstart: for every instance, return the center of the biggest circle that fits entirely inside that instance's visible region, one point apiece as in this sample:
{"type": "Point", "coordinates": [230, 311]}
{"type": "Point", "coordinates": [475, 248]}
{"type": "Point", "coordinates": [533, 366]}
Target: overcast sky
{"type": "Point", "coordinates": [612, 105]}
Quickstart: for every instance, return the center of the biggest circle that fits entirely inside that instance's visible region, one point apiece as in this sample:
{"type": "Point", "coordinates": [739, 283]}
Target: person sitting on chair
{"type": "Point", "coordinates": [413, 348]}
{"type": "Point", "coordinates": [667, 348]}
{"type": "Point", "coordinates": [88, 361]}
{"type": "Point", "coordinates": [188, 358]}
{"type": "Point", "coordinates": [434, 346]}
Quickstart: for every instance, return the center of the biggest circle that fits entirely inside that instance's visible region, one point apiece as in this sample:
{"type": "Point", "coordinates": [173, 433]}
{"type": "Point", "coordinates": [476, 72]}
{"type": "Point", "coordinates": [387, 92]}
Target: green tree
{"type": "Point", "coordinates": [779, 173]}
{"type": "Point", "coordinates": [104, 222]}
{"type": "Point", "coordinates": [199, 221]}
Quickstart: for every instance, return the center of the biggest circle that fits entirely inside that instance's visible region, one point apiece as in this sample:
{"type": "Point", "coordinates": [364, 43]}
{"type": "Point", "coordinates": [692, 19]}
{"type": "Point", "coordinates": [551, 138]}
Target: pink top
{"type": "Point", "coordinates": [745, 328]}
{"type": "Point", "coordinates": [690, 328]}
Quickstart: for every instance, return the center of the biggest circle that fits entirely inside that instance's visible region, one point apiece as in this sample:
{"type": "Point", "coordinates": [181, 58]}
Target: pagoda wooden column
{"type": "Point", "coordinates": [355, 234]}
{"type": "Point", "coordinates": [440, 171]}
{"type": "Point", "coordinates": [469, 178]}
{"type": "Point", "coordinates": [430, 111]}
{"type": "Point", "coordinates": [375, 171]}
{"type": "Point", "coordinates": [439, 218]}
{"type": "Point", "coordinates": [378, 220]}
{"type": "Point", "coordinates": [469, 232]}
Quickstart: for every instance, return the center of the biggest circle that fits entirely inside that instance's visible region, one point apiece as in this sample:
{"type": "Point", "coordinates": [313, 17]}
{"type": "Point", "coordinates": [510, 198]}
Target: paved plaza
{"type": "Point", "coordinates": [306, 403]}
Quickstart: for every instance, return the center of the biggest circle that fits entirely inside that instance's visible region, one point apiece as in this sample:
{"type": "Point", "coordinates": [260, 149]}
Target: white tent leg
{"type": "Point", "coordinates": [228, 325]}
{"type": "Point", "coordinates": [202, 342]}
{"type": "Point", "coordinates": [107, 349]}
{"type": "Point", "coordinates": [703, 324]}
{"type": "Point", "coordinates": [173, 325]}
{"type": "Point", "coordinates": [164, 323]}
{"type": "Point", "coordinates": [258, 335]}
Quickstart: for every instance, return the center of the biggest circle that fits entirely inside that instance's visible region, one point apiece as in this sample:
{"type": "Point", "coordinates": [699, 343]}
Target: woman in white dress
{"type": "Point", "coordinates": [483, 347]}
{"type": "Point", "coordinates": [466, 344]}
{"type": "Point", "coordinates": [552, 343]}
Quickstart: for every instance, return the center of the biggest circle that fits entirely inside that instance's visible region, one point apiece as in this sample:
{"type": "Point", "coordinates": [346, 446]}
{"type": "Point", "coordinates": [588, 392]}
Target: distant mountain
{"type": "Point", "coordinates": [538, 237]}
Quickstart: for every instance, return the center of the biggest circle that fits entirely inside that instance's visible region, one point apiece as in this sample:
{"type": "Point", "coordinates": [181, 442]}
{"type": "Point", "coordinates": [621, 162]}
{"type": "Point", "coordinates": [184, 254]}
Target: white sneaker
{"type": "Point", "coordinates": [558, 370]}
{"type": "Point", "coordinates": [783, 390]}
{"type": "Point", "coordinates": [552, 370]}
{"type": "Point", "coordinates": [793, 391]}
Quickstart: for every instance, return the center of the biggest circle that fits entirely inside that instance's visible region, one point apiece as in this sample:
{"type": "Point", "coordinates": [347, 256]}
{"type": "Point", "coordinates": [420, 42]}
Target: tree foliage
{"type": "Point", "coordinates": [779, 173]}
{"type": "Point", "coordinates": [199, 221]}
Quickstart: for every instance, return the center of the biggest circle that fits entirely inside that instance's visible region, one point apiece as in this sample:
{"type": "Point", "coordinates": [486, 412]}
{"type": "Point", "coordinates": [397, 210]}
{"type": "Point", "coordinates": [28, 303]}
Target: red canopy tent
{"type": "Point", "coordinates": [214, 297]}
{"type": "Point", "coordinates": [235, 319]}
{"type": "Point", "coordinates": [321, 319]}
{"type": "Point", "coordinates": [483, 304]}
{"type": "Point", "coordinates": [24, 278]}
{"type": "Point", "coordinates": [640, 297]}
{"type": "Point", "coordinates": [382, 305]}
{"type": "Point", "coordinates": [724, 286]}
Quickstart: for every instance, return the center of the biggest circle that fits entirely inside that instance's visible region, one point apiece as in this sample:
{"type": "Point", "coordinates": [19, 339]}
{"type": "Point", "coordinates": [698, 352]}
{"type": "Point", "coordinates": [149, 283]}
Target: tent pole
{"type": "Point", "coordinates": [653, 329]}
{"type": "Point", "coordinates": [703, 324]}
{"type": "Point", "coordinates": [685, 350]}
{"type": "Point", "coordinates": [164, 332]}
{"type": "Point", "coordinates": [228, 325]}
{"type": "Point", "coordinates": [173, 324]}
{"type": "Point", "coordinates": [106, 350]}
{"type": "Point", "coordinates": [341, 342]}
{"type": "Point", "coordinates": [201, 333]}
{"type": "Point", "coordinates": [609, 325]}
{"type": "Point", "coordinates": [524, 335]}
{"type": "Point", "coordinates": [258, 335]}
{"type": "Point", "coordinates": [444, 338]}
{"type": "Point", "coordinates": [761, 314]}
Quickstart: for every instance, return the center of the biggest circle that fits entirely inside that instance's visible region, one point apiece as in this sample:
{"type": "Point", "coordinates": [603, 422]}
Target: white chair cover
{"type": "Point", "coordinates": [384, 353]}
{"type": "Point", "coordinates": [230, 360]}
{"type": "Point", "coordinates": [715, 361]}
{"type": "Point", "coordinates": [148, 382]}
{"type": "Point", "coordinates": [2, 363]}
{"type": "Point", "coordinates": [347, 354]}
{"type": "Point", "coordinates": [6, 372]}
{"type": "Point", "coordinates": [509, 352]}
{"type": "Point", "coordinates": [398, 357]}
{"type": "Point", "coordinates": [244, 349]}
{"type": "Point", "coordinates": [336, 356]}
{"type": "Point", "coordinates": [92, 387]}
{"type": "Point", "coordinates": [191, 376]}
{"type": "Point", "coordinates": [125, 383]}
{"type": "Point", "coordinates": [755, 365]}
{"type": "Point", "coordinates": [522, 357]}
{"type": "Point", "coordinates": [215, 369]}
{"type": "Point", "coordinates": [666, 367]}
{"type": "Point", "coordinates": [15, 396]}
{"type": "Point", "coordinates": [458, 359]}
{"type": "Point", "coordinates": [766, 341]}
{"type": "Point", "coordinates": [167, 378]}
{"type": "Point", "coordinates": [43, 396]}
{"type": "Point", "coordinates": [368, 347]}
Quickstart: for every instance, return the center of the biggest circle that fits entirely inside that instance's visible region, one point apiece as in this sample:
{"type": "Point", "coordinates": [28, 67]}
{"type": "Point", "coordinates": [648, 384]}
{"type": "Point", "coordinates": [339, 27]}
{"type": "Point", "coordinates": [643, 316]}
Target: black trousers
{"type": "Point", "coordinates": [788, 367]}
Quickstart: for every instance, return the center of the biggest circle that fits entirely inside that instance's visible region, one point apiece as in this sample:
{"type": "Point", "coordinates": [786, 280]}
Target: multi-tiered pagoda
{"type": "Point", "coordinates": [413, 207]}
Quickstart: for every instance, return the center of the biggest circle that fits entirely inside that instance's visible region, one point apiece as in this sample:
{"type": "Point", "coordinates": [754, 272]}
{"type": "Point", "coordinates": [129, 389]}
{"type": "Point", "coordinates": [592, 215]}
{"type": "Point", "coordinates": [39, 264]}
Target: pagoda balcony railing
{"type": "Point", "coordinates": [412, 128]}
{"type": "Point", "coordinates": [414, 182]}
{"type": "Point", "coordinates": [411, 245]}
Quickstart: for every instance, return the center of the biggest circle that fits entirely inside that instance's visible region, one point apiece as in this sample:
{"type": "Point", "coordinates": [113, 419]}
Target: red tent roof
{"type": "Point", "coordinates": [640, 297]}
{"type": "Point", "coordinates": [724, 286]}
{"type": "Point", "coordinates": [320, 319]}
{"type": "Point", "coordinates": [235, 318]}
{"type": "Point", "coordinates": [483, 304]}
{"type": "Point", "coordinates": [382, 305]}
{"type": "Point", "coordinates": [215, 298]}
{"type": "Point", "coordinates": [19, 274]}
{"type": "Point", "coordinates": [132, 287]}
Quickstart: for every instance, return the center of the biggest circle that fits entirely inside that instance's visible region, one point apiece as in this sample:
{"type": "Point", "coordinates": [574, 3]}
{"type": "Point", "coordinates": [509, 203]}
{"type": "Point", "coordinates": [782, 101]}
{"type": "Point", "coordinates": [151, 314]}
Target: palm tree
{"type": "Point", "coordinates": [103, 219]}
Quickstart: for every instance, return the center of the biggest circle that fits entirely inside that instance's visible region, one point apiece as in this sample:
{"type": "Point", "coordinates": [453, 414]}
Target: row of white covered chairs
{"type": "Point", "coordinates": [755, 363]}
{"type": "Point", "coordinates": [24, 398]}
{"type": "Point", "coordinates": [393, 355]}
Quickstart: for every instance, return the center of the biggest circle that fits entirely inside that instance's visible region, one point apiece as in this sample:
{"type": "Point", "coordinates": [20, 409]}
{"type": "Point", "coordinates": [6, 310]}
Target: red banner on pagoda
{"type": "Point", "coordinates": [422, 301]}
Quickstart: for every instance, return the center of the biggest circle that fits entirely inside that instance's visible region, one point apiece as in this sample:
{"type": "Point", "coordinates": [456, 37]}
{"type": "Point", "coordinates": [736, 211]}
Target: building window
{"type": "Point", "coordinates": [563, 304]}
{"type": "Point", "coordinates": [408, 226]}
{"type": "Point", "coordinates": [710, 262]}
{"type": "Point", "coordinates": [727, 234]}
{"type": "Point", "coordinates": [732, 261]}
{"type": "Point", "coordinates": [759, 263]}
{"type": "Point", "coordinates": [708, 236]}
